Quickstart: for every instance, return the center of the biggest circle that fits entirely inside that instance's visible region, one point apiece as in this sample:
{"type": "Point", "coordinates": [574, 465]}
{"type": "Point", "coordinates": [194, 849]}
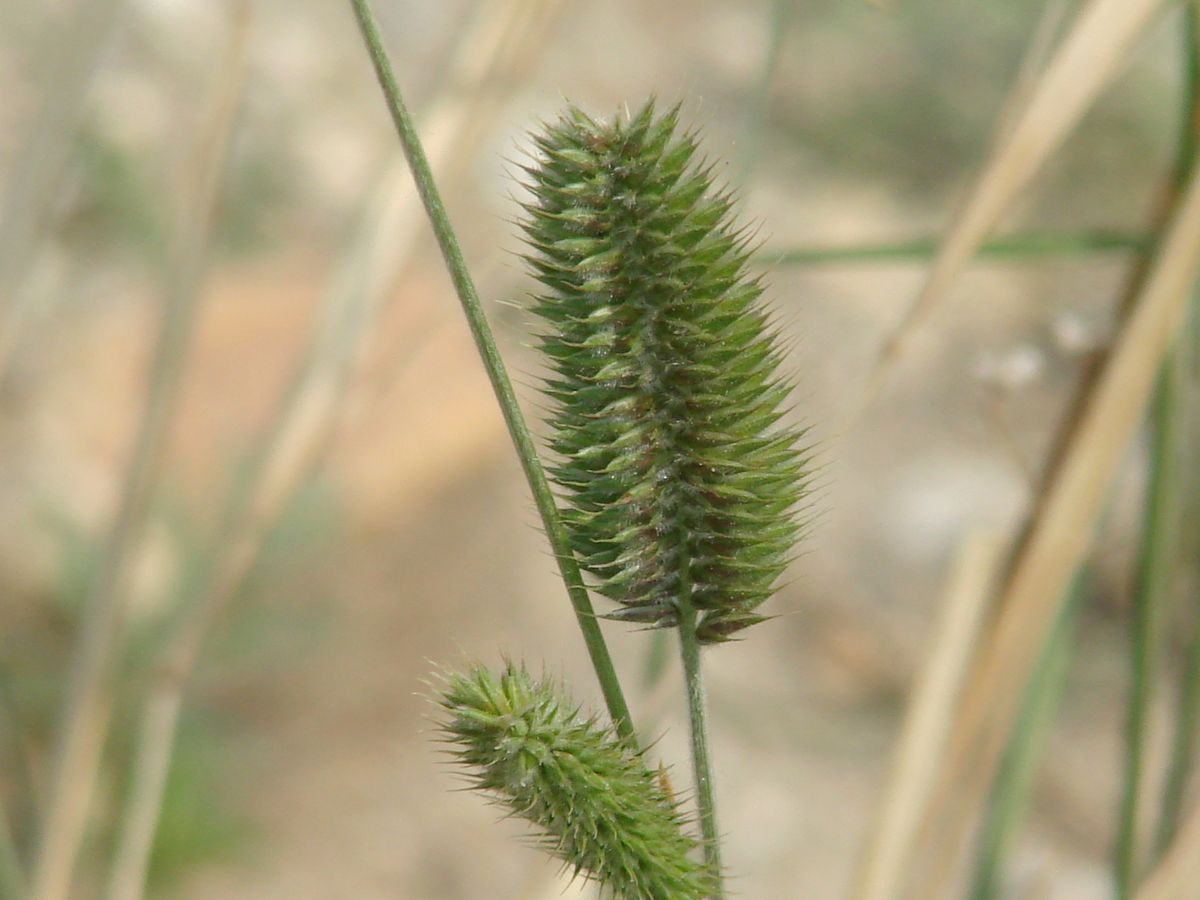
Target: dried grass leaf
{"type": "Point", "coordinates": [1086, 59]}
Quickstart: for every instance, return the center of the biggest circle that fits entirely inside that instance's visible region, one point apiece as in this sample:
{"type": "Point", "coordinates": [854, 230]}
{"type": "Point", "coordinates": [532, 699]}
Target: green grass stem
{"type": "Point", "coordinates": [1018, 770]}
{"type": "Point", "coordinates": [485, 342]}
{"type": "Point", "coordinates": [1162, 518]}
{"type": "Point", "coordinates": [1018, 247]}
{"type": "Point", "coordinates": [1155, 570]}
{"type": "Point", "coordinates": [1183, 749]}
{"type": "Point", "coordinates": [702, 768]}
{"type": "Point", "coordinates": [1181, 762]}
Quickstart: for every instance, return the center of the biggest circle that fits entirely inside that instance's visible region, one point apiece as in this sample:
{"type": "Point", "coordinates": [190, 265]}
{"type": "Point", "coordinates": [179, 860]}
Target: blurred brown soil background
{"type": "Point", "coordinates": [416, 544]}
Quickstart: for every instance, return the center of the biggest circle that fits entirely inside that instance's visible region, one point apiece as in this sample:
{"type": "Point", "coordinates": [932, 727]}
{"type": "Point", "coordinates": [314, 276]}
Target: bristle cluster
{"type": "Point", "coordinates": [682, 485]}
{"type": "Point", "coordinates": [597, 805]}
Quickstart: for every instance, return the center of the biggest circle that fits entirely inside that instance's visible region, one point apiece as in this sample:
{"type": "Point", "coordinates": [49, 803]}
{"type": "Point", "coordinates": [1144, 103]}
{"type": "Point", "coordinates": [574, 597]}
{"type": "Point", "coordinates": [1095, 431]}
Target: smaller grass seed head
{"type": "Point", "coordinates": [596, 804]}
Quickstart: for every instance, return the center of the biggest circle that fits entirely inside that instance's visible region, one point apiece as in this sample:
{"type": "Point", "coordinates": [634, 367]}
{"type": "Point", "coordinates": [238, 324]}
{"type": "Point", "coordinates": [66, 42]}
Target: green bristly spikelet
{"type": "Point", "coordinates": [664, 376]}
{"type": "Point", "coordinates": [595, 802]}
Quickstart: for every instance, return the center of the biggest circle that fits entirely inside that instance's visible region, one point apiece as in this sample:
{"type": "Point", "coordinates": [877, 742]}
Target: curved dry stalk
{"type": "Point", "coordinates": [1086, 59]}
{"type": "Point", "coordinates": [86, 714]}
{"type": "Point", "coordinates": [920, 747]}
{"type": "Point", "coordinates": [1060, 534]}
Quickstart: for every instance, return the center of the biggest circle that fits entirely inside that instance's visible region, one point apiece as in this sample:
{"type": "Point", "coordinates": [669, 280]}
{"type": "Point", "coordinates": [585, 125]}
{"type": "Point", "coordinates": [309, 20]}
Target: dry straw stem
{"type": "Point", "coordinates": [306, 419]}
{"type": "Point", "coordinates": [919, 752]}
{"type": "Point", "coordinates": [81, 736]}
{"type": "Point", "coordinates": [1061, 532]}
{"type": "Point", "coordinates": [1087, 58]}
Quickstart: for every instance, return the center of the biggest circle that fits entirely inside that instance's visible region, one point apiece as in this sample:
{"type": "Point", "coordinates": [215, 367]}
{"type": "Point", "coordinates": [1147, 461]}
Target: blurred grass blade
{"type": "Point", "coordinates": [506, 36]}
{"type": "Point", "coordinates": [918, 754]}
{"type": "Point", "coordinates": [1183, 749]}
{"type": "Point", "coordinates": [1032, 246]}
{"type": "Point", "coordinates": [1156, 569]}
{"type": "Point", "coordinates": [1018, 770]}
{"type": "Point", "coordinates": [1061, 531]}
{"type": "Point", "coordinates": [1087, 58]}
{"type": "Point", "coordinates": [29, 191]}
{"type": "Point", "coordinates": [1178, 872]}
{"type": "Point", "coordinates": [1179, 379]}
{"type": "Point", "coordinates": [1038, 50]}
{"type": "Point", "coordinates": [81, 737]}
{"type": "Point", "coordinates": [1162, 522]}
{"type": "Point", "coordinates": [12, 878]}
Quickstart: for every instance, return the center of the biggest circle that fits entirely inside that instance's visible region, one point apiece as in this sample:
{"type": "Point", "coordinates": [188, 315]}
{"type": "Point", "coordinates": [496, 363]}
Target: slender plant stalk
{"type": "Point", "coordinates": [154, 746]}
{"type": "Point", "coordinates": [1032, 246]}
{"type": "Point", "coordinates": [1155, 568]}
{"type": "Point", "coordinates": [1018, 769]}
{"type": "Point", "coordinates": [1183, 750]}
{"type": "Point", "coordinates": [1177, 380]}
{"type": "Point", "coordinates": [89, 699]}
{"type": "Point", "coordinates": [1160, 528]}
{"type": "Point", "coordinates": [492, 53]}
{"type": "Point", "coordinates": [543, 497]}
{"type": "Point", "coordinates": [702, 767]}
